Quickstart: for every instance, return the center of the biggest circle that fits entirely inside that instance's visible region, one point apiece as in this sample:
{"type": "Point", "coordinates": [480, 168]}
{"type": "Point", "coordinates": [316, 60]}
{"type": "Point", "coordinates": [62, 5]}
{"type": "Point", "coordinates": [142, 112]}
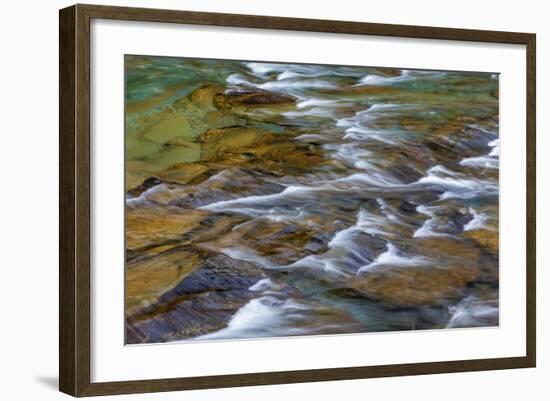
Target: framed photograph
{"type": "Point", "coordinates": [249, 200]}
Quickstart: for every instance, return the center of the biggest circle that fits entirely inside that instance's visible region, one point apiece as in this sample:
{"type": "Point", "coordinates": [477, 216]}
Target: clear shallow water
{"type": "Point", "coordinates": [369, 202]}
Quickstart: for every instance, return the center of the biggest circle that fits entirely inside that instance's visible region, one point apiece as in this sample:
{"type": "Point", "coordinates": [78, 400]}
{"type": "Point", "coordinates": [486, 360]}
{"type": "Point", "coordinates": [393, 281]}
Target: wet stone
{"type": "Point", "coordinates": [200, 303]}
{"type": "Point", "coordinates": [367, 198]}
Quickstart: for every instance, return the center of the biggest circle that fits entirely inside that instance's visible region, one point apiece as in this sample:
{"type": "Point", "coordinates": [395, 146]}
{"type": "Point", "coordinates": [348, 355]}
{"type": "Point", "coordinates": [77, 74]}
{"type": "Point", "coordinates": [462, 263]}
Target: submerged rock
{"type": "Point", "coordinates": [254, 147]}
{"type": "Point", "coordinates": [276, 242]}
{"type": "Point", "coordinates": [454, 142]}
{"type": "Point", "coordinates": [413, 286]}
{"type": "Point", "coordinates": [285, 156]}
{"type": "Point", "coordinates": [151, 226]}
{"type": "Point", "coordinates": [187, 173]}
{"type": "Point", "coordinates": [202, 302]}
{"type": "Point", "coordinates": [441, 277]}
{"type": "Point", "coordinates": [487, 239]}
{"type": "Point", "coordinates": [355, 195]}
{"type": "Point", "coordinates": [154, 232]}
{"type": "Point", "coordinates": [149, 277]}
{"type": "Point", "coordinates": [252, 98]}
{"type": "Point", "coordinates": [474, 312]}
{"type": "Point", "coordinates": [219, 142]}
{"type": "Point", "coordinates": [204, 187]}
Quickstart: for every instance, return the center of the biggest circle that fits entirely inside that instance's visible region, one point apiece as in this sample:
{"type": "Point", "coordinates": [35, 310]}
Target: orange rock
{"type": "Point", "coordinates": [149, 278]}
{"type": "Point", "coordinates": [185, 173]}
{"type": "Point", "coordinates": [252, 98]}
{"type": "Point", "coordinates": [152, 226]}
{"type": "Point", "coordinates": [487, 239]}
{"type": "Point", "coordinates": [413, 286]}
{"type": "Point", "coordinates": [451, 265]}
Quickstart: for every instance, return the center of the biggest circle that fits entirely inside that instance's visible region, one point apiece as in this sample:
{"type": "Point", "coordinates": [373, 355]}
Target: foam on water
{"type": "Point", "coordinates": [261, 317]}
{"type": "Point", "coordinates": [369, 114]}
{"type": "Point", "coordinates": [368, 223]}
{"type": "Point", "coordinates": [495, 144]}
{"type": "Point", "coordinates": [144, 197]}
{"type": "Point", "coordinates": [289, 77]}
{"type": "Point", "coordinates": [376, 179]}
{"type": "Point", "coordinates": [379, 80]}
{"type": "Point", "coordinates": [238, 80]}
{"type": "Point", "coordinates": [262, 69]}
{"type": "Point", "coordinates": [323, 262]}
{"type": "Point", "coordinates": [478, 221]}
{"type": "Point", "coordinates": [387, 211]}
{"type": "Point", "coordinates": [288, 85]}
{"type": "Point", "coordinates": [430, 225]}
{"type": "Point", "coordinates": [311, 112]}
{"type": "Point", "coordinates": [249, 255]}
{"type": "Point", "coordinates": [480, 162]}
{"type": "Point", "coordinates": [264, 284]}
{"type": "Point", "coordinates": [438, 169]}
{"type": "Point", "coordinates": [393, 257]}
{"type": "Point", "coordinates": [472, 312]}
{"type": "Point", "coordinates": [359, 127]}
{"type": "Point", "coordinates": [489, 161]}
{"type": "Point", "coordinates": [352, 155]}
{"type": "Point", "coordinates": [460, 188]}
{"type": "Point", "coordinates": [456, 185]}
{"type": "Point", "coordinates": [301, 71]}
{"type": "Point", "coordinates": [261, 205]}
{"type": "Point", "coordinates": [239, 203]}
{"type": "Point", "coordinates": [315, 102]}
{"type": "Point", "coordinates": [343, 241]}
{"type": "Point", "coordinates": [360, 133]}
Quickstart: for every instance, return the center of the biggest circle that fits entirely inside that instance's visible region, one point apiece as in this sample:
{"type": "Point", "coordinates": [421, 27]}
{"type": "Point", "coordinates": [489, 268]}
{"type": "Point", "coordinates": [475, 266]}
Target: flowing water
{"type": "Point", "coordinates": [364, 199]}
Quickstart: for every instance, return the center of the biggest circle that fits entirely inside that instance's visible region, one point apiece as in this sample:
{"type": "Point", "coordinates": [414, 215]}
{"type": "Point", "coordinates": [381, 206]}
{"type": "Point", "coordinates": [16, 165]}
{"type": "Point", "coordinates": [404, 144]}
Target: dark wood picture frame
{"type": "Point", "coordinates": [74, 203]}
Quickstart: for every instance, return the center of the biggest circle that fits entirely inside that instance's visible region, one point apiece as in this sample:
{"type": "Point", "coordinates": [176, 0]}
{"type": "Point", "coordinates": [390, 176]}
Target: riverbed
{"type": "Point", "coordinates": [271, 199]}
